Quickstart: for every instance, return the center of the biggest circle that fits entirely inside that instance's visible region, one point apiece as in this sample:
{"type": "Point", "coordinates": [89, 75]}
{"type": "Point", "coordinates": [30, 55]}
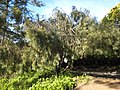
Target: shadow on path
{"type": "Point", "coordinates": [100, 84]}
{"type": "Point", "coordinates": [103, 79]}
{"type": "Point", "coordinates": [115, 84]}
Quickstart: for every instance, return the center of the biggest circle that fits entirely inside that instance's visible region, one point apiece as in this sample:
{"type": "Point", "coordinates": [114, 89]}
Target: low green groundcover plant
{"type": "Point", "coordinates": [35, 82]}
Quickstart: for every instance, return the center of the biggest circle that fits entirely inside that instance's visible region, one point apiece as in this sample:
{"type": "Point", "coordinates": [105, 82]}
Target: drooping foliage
{"type": "Point", "coordinates": [60, 38]}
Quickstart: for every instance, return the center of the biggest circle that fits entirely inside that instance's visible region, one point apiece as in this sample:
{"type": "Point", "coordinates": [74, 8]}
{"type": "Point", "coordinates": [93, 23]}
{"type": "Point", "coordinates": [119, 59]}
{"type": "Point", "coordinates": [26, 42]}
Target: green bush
{"type": "Point", "coordinates": [39, 81]}
{"type": "Point", "coordinates": [54, 83]}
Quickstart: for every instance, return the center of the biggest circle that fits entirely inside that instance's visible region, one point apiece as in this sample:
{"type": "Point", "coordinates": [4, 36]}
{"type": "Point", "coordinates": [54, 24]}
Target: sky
{"type": "Point", "coordinates": [98, 8]}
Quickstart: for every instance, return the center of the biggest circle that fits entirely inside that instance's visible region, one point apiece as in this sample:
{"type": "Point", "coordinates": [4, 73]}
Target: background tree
{"type": "Point", "coordinates": [113, 17]}
{"type": "Point", "coordinates": [13, 15]}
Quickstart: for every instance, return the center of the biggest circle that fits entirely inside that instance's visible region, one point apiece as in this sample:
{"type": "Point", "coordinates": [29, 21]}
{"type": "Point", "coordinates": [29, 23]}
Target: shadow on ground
{"type": "Point", "coordinates": [105, 78]}
{"type": "Point", "coordinates": [109, 82]}
{"type": "Point", "coordinates": [100, 84]}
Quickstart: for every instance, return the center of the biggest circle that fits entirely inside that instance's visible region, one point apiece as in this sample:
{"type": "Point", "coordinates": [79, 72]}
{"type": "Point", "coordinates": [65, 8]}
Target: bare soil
{"type": "Point", "coordinates": [100, 84]}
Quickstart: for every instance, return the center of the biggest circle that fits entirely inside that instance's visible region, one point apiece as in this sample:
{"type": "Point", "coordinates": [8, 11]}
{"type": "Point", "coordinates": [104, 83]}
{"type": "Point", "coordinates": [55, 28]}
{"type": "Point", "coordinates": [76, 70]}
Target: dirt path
{"type": "Point", "coordinates": [100, 84]}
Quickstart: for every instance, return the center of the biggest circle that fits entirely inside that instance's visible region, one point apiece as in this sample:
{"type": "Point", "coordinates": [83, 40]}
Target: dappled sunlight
{"type": "Point", "coordinates": [100, 84]}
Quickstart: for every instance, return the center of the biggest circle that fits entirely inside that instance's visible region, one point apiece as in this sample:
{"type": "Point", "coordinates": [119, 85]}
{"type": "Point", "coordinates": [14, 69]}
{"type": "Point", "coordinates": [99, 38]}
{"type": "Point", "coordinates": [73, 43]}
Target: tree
{"type": "Point", "coordinates": [113, 17]}
{"type": "Point", "coordinates": [13, 15]}
{"type": "Point", "coordinates": [59, 38]}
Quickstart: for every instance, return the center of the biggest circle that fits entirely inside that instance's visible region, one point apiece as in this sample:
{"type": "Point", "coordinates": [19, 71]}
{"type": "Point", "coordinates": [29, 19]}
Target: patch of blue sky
{"type": "Point", "coordinates": [98, 8]}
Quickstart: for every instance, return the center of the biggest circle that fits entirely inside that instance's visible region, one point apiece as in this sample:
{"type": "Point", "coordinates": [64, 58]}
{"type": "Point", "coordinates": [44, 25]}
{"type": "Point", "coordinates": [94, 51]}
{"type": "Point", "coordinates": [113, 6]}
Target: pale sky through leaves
{"type": "Point", "coordinates": [98, 8]}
